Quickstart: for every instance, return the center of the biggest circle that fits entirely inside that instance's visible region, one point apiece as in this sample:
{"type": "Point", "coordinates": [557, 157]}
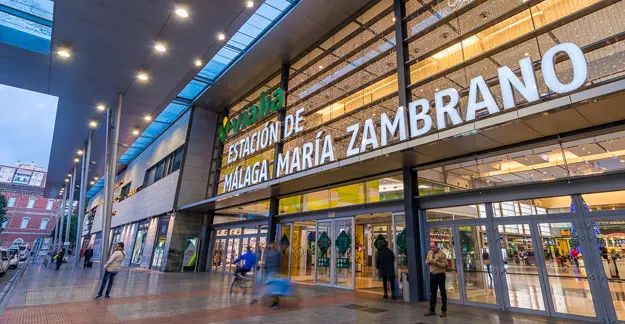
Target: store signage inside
{"type": "Point", "coordinates": [418, 120]}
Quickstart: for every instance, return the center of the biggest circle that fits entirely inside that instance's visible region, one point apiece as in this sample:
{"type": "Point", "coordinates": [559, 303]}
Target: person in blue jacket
{"type": "Point", "coordinates": [249, 261]}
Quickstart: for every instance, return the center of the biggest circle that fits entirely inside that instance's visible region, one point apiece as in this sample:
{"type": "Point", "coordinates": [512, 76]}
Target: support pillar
{"type": "Point", "coordinates": [84, 178]}
{"type": "Point", "coordinates": [59, 237]}
{"type": "Point", "coordinates": [413, 235]}
{"type": "Point", "coordinates": [112, 137]}
{"type": "Point", "coordinates": [205, 238]}
{"type": "Point", "coordinates": [273, 219]}
{"type": "Point", "coordinates": [68, 220]}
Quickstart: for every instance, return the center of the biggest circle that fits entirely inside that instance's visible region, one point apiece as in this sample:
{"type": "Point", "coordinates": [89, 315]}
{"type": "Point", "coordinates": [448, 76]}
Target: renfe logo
{"type": "Point", "coordinates": [268, 103]}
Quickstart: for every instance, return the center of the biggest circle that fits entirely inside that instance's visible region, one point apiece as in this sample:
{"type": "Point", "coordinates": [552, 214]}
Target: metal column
{"type": "Point", "coordinates": [59, 230]}
{"type": "Point", "coordinates": [413, 236]}
{"type": "Point", "coordinates": [84, 178]}
{"type": "Point", "coordinates": [112, 137]}
{"type": "Point", "coordinates": [401, 51]}
{"type": "Point", "coordinates": [68, 221]}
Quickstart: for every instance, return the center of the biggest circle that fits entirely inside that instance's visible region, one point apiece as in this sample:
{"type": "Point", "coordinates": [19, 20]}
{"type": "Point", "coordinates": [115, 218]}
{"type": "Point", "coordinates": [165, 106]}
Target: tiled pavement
{"type": "Point", "coordinates": [142, 296]}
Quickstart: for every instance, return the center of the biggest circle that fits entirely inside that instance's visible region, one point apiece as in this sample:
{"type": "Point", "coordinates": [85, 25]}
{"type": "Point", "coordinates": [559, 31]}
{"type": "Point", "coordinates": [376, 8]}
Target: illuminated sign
{"type": "Point", "coordinates": [417, 121]}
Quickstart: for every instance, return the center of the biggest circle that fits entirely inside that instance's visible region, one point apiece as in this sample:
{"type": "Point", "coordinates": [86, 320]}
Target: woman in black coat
{"type": "Point", "coordinates": [386, 266]}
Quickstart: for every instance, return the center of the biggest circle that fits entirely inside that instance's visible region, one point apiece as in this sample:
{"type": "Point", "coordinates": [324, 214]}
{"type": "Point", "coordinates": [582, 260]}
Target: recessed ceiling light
{"type": "Point", "coordinates": [143, 76]}
{"type": "Point", "coordinates": [221, 36]}
{"type": "Point", "coordinates": [147, 118]}
{"type": "Point", "coordinates": [79, 152]}
{"type": "Point", "coordinates": [92, 183]}
{"type": "Point", "coordinates": [135, 132]}
{"type": "Point", "coordinates": [250, 4]}
{"type": "Point", "coordinates": [622, 161]}
{"type": "Point", "coordinates": [66, 180]}
{"type": "Point", "coordinates": [100, 107]}
{"type": "Point", "coordinates": [320, 67]}
{"type": "Point", "coordinates": [95, 178]}
{"type": "Point", "coordinates": [93, 124]}
{"type": "Point", "coordinates": [181, 12]}
{"type": "Point", "coordinates": [160, 47]}
{"type": "Point", "coordinates": [69, 175]}
{"type": "Point", "coordinates": [198, 62]}
{"type": "Point", "coordinates": [76, 160]}
{"type": "Point", "coordinates": [64, 52]}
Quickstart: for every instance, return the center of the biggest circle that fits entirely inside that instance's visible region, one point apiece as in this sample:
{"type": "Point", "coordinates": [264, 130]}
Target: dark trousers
{"type": "Point", "coordinates": [437, 282]}
{"type": "Point", "coordinates": [387, 279]}
{"type": "Point", "coordinates": [58, 265]}
{"type": "Point", "coordinates": [108, 276]}
{"type": "Point", "coordinates": [84, 265]}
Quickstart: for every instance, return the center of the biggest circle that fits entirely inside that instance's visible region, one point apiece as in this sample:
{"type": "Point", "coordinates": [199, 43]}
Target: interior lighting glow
{"type": "Point", "coordinates": [250, 4]}
{"type": "Point", "coordinates": [96, 178]}
{"type": "Point", "coordinates": [197, 62]}
{"type": "Point", "coordinates": [76, 160]}
{"type": "Point", "coordinates": [66, 180]}
{"type": "Point", "coordinates": [147, 117]}
{"type": "Point", "coordinates": [135, 132]}
{"type": "Point", "coordinates": [221, 36]}
{"type": "Point", "coordinates": [92, 183]}
{"type": "Point", "coordinates": [79, 152]}
{"type": "Point", "coordinates": [100, 107]}
{"type": "Point", "coordinates": [93, 124]}
{"type": "Point", "coordinates": [181, 12]}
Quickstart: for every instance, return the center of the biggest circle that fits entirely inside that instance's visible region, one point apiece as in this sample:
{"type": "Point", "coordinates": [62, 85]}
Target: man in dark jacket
{"type": "Point", "coordinates": [386, 265]}
{"type": "Point", "coordinates": [59, 259]}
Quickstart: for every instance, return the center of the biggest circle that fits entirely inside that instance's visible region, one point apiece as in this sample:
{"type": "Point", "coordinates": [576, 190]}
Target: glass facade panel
{"type": "Point", "coordinates": [478, 279]}
{"type": "Point", "coordinates": [456, 213]}
{"type": "Point", "coordinates": [613, 200]}
{"type": "Point", "coordinates": [530, 207]}
{"type": "Point", "coordinates": [444, 238]}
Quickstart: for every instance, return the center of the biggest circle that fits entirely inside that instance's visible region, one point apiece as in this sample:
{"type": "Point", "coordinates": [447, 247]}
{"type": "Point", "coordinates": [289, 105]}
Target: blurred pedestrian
{"type": "Point", "coordinates": [111, 268]}
{"type": "Point", "coordinates": [386, 267]}
{"type": "Point", "coordinates": [59, 259]}
{"type": "Point", "coordinates": [272, 267]}
{"type": "Point", "coordinates": [88, 255]}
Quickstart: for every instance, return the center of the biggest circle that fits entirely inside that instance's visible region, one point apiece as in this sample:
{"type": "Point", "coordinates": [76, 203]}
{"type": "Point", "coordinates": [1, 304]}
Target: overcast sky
{"type": "Point", "coordinates": [26, 126]}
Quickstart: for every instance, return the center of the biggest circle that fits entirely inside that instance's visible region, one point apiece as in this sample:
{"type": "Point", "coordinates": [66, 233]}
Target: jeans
{"type": "Point", "coordinates": [437, 282]}
{"type": "Point", "coordinates": [110, 276]}
{"type": "Point", "coordinates": [390, 279]}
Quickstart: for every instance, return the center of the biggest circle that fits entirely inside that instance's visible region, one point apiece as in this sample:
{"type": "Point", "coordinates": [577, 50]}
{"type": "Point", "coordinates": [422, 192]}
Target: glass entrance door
{"type": "Point", "coordinates": [474, 253]}
{"type": "Point", "coordinates": [334, 255]}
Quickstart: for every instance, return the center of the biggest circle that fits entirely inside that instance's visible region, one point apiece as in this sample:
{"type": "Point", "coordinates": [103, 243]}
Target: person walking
{"type": "Point", "coordinates": [437, 262]}
{"type": "Point", "coordinates": [386, 267]}
{"type": "Point", "coordinates": [59, 259]}
{"type": "Point", "coordinates": [272, 267]}
{"type": "Point", "coordinates": [111, 268]}
{"type": "Point", "coordinates": [249, 261]}
{"type": "Point", "coordinates": [486, 259]}
{"type": "Point", "coordinates": [88, 255]}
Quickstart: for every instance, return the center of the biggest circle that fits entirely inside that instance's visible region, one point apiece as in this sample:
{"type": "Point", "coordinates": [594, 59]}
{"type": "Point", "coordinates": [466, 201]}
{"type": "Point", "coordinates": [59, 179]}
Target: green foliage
{"type": "Point", "coordinates": [3, 211]}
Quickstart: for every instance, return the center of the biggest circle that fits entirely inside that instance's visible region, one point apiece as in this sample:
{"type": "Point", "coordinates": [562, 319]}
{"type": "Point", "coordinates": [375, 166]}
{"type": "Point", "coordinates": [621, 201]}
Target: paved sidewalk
{"type": "Point", "coordinates": [143, 296]}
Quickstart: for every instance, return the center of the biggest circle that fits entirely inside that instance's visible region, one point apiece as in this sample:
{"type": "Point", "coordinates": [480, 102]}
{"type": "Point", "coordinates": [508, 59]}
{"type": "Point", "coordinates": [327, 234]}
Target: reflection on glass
{"type": "Point", "coordinates": [343, 253]}
{"type": "Point", "coordinates": [302, 252]}
{"type": "Point", "coordinates": [443, 236]}
{"type": "Point", "coordinates": [478, 278]}
{"type": "Point", "coordinates": [218, 255]}
{"type": "Point", "coordinates": [232, 254]}
{"type": "Point", "coordinates": [456, 213]}
{"type": "Point", "coordinates": [566, 271]}
{"type": "Point", "coordinates": [517, 250]}
{"type": "Point", "coordinates": [284, 245]}
{"type": "Point", "coordinates": [137, 252]}
{"type": "Point", "coordinates": [401, 248]}
{"type": "Point", "coordinates": [609, 238]}
{"type": "Point", "coordinates": [324, 246]}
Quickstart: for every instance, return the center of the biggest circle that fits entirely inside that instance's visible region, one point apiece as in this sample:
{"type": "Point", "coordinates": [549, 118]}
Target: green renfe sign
{"type": "Point", "coordinates": [268, 103]}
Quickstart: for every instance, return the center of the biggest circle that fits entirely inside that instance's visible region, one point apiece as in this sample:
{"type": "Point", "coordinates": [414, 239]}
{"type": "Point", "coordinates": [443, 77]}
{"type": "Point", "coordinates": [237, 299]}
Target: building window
{"type": "Point", "coordinates": [164, 167]}
{"type": "Point", "coordinates": [31, 202]}
{"type": "Point", "coordinates": [124, 193]}
{"type": "Point", "coordinates": [44, 223]}
{"type": "Point", "coordinates": [50, 204]}
{"type": "Point", "coordinates": [6, 222]}
{"type": "Point", "coordinates": [25, 221]}
{"type": "Point", "coordinates": [11, 202]}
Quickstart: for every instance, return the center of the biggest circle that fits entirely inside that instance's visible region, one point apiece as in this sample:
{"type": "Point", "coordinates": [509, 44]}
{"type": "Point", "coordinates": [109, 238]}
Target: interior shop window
{"type": "Point", "coordinates": [529, 207]}
{"type": "Point", "coordinates": [124, 192]}
{"type": "Point", "coordinates": [456, 213]}
{"type": "Point", "coordinates": [244, 212]}
{"type": "Point", "coordinates": [164, 167]}
{"type": "Point", "coordinates": [611, 200]}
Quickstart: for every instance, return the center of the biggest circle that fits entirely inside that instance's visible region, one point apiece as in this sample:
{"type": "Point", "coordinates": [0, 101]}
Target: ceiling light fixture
{"type": "Point", "coordinates": [135, 132]}
{"type": "Point", "coordinates": [64, 52]}
{"type": "Point", "coordinates": [221, 36]}
{"type": "Point", "coordinates": [147, 117]}
{"type": "Point", "coordinates": [66, 180]}
{"type": "Point", "coordinates": [95, 178]}
{"type": "Point", "coordinates": [250, 4]}
{"type": "Point", "coordinates": [100, 107]}
{"type": "Point", "coordinates": [76, 160]}
{"type": "Point", "coordinates": [69, 175]}
{"type": "Point", "coordinates": [79, 152]}
{"type": "Point", "coordinates": [181, 12]}
{"type": "Point", "coordinates": [197, 62]}
{"type": "Point", "coordinates": [160, 47]}
{"type": "Point", "coordinates": [93, 124]}
{"type": "Point", "coordinates": [143, 76]}
{"type": "Point", "coordinates": [92, 183]}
